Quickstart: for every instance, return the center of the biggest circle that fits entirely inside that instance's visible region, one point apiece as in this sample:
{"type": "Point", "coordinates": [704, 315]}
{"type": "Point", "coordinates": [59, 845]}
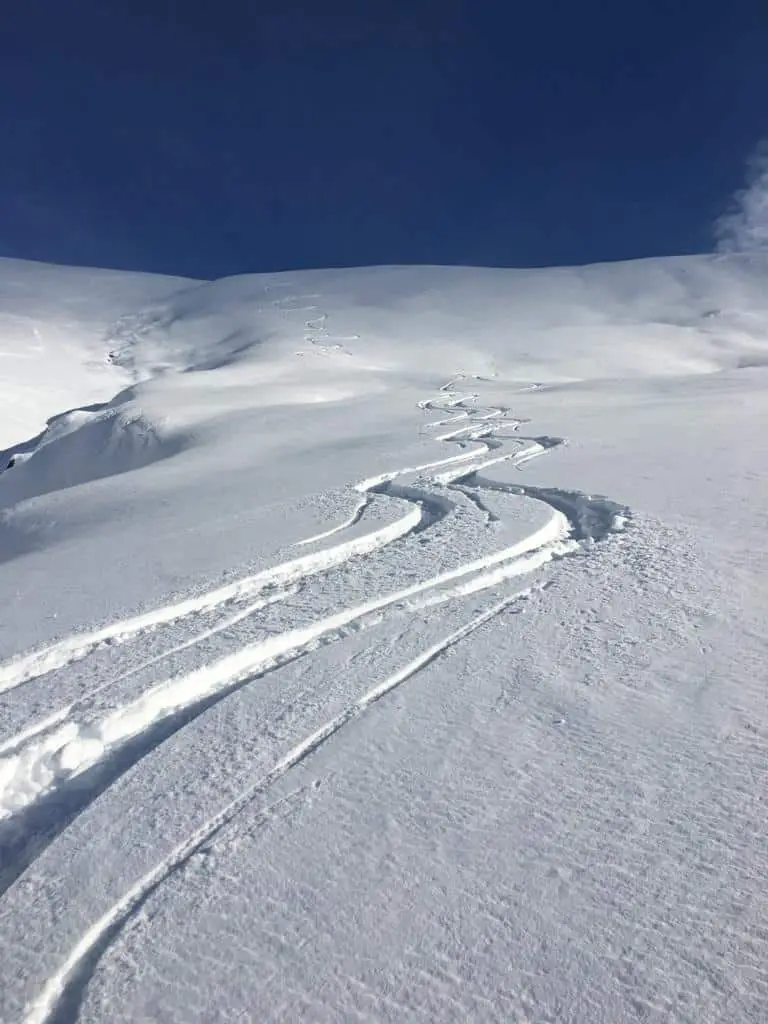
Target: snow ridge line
{"type": "Point", "coordinates": [64, 989]}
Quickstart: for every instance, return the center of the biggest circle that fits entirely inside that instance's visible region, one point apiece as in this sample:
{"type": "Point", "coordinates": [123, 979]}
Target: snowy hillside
{"type": "Point", "coordinates": [54, 338]}
{"type": "Point", "coordinates": [384, 644]}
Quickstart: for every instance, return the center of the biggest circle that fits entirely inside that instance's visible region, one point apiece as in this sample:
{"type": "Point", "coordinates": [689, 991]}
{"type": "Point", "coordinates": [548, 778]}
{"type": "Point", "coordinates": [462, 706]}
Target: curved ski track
{"type": "Point", "coordinates": [56, 766]}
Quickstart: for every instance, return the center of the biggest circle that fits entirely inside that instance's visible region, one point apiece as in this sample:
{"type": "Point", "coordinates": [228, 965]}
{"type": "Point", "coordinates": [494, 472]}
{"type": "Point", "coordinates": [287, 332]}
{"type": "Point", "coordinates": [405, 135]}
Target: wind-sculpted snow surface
{"type": "Point", "coordinates": [334, 692]}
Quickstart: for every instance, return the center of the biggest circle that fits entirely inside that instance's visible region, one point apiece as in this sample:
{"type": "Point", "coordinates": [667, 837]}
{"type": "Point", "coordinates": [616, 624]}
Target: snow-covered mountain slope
{"type": "Point", "coordinates": [387, 644]}
{"type": "Point", "coordinates": [649, 317]}
{"type": "Point", "coordinates": [55, 325]}
{"type": "Point", "coordinates": [328, 336]}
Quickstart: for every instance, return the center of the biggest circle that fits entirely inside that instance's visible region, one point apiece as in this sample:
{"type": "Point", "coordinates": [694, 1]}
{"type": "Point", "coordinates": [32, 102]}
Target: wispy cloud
{"type": "Point", "coordinates": [744, 227]}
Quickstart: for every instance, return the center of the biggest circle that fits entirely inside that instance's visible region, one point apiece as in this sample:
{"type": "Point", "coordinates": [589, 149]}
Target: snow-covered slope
{"type": "Point", "coordinates": [386, 644]}
{"type": "Point", "coordinates": [650, 317]}
{"type": "Point", "coordinates": [328, 336]}
{"type": "Point", "coordinates": [55, 325]}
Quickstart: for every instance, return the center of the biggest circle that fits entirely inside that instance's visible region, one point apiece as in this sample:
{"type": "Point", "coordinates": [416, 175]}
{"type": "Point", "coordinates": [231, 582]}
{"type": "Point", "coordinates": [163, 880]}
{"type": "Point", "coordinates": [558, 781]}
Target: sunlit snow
{"type": "Point", "coordinates": [384, 644]}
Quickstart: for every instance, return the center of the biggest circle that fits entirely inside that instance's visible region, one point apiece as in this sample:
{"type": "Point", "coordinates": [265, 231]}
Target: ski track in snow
{"type": "Point", "coordinates": [68, 759]}
{"type": "Point", "coordinates": [43, 767]}
{"type": "Point", "coordinates": [315, 331]}
{"type": "Point", "coordinates": [60, 999]}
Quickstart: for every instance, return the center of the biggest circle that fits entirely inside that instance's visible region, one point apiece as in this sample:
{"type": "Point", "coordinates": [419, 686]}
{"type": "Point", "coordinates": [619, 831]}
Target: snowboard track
{"type": "Point", "coordinates": [578, 520]}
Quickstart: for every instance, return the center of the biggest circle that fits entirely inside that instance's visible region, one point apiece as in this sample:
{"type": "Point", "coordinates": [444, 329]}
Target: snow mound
{"type": "Point", "coordinates": [83, 445]}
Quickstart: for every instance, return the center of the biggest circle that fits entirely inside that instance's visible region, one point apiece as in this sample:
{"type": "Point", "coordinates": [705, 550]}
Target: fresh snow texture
{"type": "Point", "coordinates": [384, 644]}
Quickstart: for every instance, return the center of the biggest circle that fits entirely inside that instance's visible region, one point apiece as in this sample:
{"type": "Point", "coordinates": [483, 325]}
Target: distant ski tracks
{"type": "Point", "coordinates": [40, 764]}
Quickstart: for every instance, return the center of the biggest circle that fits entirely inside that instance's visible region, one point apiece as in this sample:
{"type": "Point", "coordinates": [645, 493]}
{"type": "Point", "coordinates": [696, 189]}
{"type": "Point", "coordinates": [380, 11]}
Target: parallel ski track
{"type": "Point", "coordinates": [60, 999]}
{"type": "Point", "coordinates": [126, 734]}
{"type": "Point", "coordinates": [47, 765]}
{"type": "Point", "coordinates": [424, 510]}
{"type": "Point", "coordinates": [53, 768]}
{"type": "Point", "coordinates": [40, 749]}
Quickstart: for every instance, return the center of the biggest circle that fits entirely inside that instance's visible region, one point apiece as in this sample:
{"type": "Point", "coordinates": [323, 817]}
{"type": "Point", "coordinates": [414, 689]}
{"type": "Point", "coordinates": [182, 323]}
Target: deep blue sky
{"type": "Point", "coordinates": [212, 137]}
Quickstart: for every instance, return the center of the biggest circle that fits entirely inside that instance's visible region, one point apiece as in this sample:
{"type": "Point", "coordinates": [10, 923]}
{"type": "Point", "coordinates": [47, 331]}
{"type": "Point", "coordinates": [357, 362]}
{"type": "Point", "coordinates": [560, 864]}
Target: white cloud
{"type": "Point", "coordinates": [744, 228]}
